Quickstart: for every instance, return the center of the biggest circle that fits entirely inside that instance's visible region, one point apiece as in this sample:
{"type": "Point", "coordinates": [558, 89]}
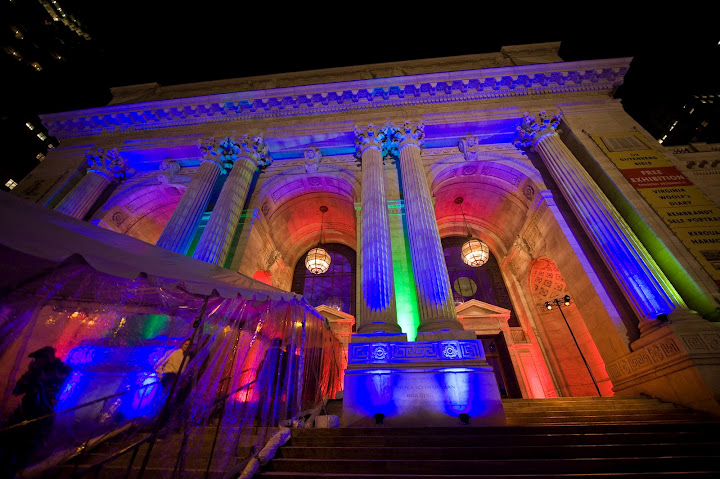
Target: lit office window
{"type": "Point", "coordinates": [11, 184]}
{"type": "Point", "coordinates": [42, 136]}
{"type": "Point", "coordinates": [29, 125]}
{"type": "Point", "coordinates": [40, 157]}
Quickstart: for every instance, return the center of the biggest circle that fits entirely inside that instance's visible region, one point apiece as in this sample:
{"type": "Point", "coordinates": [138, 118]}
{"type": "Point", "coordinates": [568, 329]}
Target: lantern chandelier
{"type": "Point", "coordinates": [317, 260]}
{"type": "Point", "coordinates": [474, 252]}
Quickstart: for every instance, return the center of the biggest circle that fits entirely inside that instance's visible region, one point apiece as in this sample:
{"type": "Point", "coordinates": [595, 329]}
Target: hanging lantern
{"type": "Point", "coordinates": [475, 253]}
{"type": "Point", "coordinates": [317, 261]}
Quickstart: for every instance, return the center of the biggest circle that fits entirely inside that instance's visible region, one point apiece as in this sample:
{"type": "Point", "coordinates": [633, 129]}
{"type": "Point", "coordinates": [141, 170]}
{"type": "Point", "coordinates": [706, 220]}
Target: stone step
{"type": "Point", "coordinates": [504, 440]}
{"type": "Point", "coordinates": [609, 411]}
{"type": "Point", "coordinates": [633, 475]}
{"type": "Point", "coordinates": [501, 430]}
{"type": "Point", "coordinates": [501, 452]}
{"type": "Point", "coordinates": [606, 418]}
{"type": "Point", "coordinates": [593, 406]}
{"type": "Point", "coordinates": [677, 464]}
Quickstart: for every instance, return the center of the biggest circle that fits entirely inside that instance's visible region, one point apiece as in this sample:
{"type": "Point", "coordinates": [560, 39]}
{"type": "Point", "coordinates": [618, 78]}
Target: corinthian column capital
{"type": "Point", "coordinates": [109, 164]}
{"type": "Point", "coordinates": [371, 136]}
{"type": "Point", "coordinates": [212, 152]}
{"type": "Point", "coordinates": [410, 133]}
{"type": "Point", "coordinates": [532, 129]}
{"type": "Point", "coordinates": [226, 151]}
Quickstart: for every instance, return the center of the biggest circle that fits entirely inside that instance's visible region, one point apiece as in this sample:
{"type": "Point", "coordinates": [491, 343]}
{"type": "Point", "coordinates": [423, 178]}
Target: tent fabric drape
{"type": "Point", "coordinates": [86, 316]}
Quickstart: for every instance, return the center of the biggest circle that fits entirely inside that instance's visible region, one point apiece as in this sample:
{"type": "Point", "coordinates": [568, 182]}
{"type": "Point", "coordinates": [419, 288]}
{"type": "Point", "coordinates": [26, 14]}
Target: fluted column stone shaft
{"type": "Point", "coordinates": [643, 283]}
{"type": "Point", "coordinates": [104, 168]}
{"type": "Point", "coordinates": [180, 229]}
{"type": "Point", "coordinates": [377, 310]}
{"type": "Point", "coordinates": [79, 201]}
{"type": "Point", "coordinates": [436, 307]}
{"type": "Point", "coordinates": [247, 154]}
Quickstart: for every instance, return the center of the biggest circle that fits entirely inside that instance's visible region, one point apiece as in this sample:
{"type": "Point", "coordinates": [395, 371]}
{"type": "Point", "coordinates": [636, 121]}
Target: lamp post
{"type": "Point", "coordinates": [565, 301]}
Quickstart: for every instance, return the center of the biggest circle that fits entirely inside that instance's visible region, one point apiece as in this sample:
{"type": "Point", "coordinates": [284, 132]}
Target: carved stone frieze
{"type": "Point", "coordinates": [649, 357]}
{"type": "Point", "coordinates": [598, 75]}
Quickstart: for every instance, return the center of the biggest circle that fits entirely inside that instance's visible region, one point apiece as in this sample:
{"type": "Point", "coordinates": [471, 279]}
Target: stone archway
{"type": "Point", "coordinates": [569, 346]}
{"type": "Point", "coordinates": [142, 211]}
{"type": "Point", "coordinates": [288, 219]}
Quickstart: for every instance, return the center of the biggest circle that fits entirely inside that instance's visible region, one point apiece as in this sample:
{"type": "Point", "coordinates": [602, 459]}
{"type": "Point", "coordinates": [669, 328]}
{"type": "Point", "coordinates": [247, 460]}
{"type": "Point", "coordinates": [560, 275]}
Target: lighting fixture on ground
{"type": "Point", "coordinates": [317, 260]}
{"type": "Point", "coordinates": [474, 252]}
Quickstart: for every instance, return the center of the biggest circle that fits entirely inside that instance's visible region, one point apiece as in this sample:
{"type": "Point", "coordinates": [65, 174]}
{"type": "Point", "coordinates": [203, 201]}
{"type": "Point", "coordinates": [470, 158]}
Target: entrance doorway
{"type": "Point", "coordinates": [498, 356]}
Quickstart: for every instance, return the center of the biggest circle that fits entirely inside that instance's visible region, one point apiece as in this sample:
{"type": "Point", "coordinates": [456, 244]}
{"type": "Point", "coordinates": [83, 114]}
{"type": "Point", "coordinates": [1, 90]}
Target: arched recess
{"type": "Point", "coordinates": [336, 287]}
{"type": "Point", "coordinates": [497, 194]}
{"type": "Point", "coordinates": [579, 368]}
{"type": "Point", "coordinates": [141, 211]}
{"type": "Point", "coordinates": [290, 219]}
{"type": "Point", "coordinates": [500, 197]}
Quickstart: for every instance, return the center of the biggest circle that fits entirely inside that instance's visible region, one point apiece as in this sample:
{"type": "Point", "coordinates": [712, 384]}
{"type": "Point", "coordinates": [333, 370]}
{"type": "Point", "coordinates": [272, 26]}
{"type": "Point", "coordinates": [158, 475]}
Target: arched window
{"type": "Point", "coordinates": [335, 287]}
{"type": "Point", "coordinates": [484, 283]}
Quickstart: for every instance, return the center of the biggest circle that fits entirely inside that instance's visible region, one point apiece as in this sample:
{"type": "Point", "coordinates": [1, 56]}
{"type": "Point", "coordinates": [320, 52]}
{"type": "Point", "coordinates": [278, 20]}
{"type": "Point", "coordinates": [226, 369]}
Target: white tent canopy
{"type": "Point", "coordinates": [54, 237]}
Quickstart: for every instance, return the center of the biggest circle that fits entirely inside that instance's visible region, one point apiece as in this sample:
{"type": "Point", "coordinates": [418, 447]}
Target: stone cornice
{"type": "Point", "coordinates": [458, 86]}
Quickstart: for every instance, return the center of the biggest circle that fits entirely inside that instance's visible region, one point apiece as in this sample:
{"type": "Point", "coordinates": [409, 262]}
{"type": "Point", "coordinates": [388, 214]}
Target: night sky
{"type": "Point", "coordinates": [173, 43]}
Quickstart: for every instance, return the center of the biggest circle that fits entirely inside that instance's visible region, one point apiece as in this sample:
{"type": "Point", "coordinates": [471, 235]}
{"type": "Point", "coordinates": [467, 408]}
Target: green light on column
{"type": "Point", "coordinates": [405, 296]}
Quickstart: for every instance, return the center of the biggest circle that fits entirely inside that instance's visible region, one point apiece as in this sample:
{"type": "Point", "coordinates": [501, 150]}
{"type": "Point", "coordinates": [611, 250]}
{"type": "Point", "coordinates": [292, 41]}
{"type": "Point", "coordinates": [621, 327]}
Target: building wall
{"type": "Point", "coordinates": [471, 112]}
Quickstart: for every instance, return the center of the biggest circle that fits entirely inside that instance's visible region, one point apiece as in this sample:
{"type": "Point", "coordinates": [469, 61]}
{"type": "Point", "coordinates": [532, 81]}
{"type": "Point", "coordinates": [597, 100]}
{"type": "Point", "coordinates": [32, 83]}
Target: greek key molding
{"type": "Point", "coordinates": [415, 352]}
{"type": "Point", "coordinates": [644, 359]}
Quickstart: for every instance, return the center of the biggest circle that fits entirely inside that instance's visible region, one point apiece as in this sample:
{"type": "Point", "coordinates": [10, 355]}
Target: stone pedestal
{"type": "Point", "coordinates": [677, 362]}
{"type": "Point", "coordinates": [437, 383]}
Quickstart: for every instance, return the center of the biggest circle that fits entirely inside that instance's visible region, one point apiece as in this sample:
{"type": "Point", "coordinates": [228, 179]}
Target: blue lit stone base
{"type": "Point", "coordinates": [420, 384]}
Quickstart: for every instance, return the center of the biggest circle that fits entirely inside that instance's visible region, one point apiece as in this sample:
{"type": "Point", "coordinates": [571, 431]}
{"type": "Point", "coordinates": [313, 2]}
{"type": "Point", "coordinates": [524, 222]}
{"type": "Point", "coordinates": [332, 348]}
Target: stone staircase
{"type": "Point", "coordinates": [594, 410]}
{"type": "Point", "coordinates": [597, 437]}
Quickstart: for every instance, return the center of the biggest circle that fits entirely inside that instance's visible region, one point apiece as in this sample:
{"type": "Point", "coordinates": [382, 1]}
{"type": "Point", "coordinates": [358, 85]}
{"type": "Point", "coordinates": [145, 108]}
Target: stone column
{"type": "Point", "coordinates": [643, 283]}
{"type": "Point", "coordinates": [245, 155]}
{"type": "Point", "coordinates": [436, 307]}
{"type": "Point", "coordinates": [104, 168]}
{"type": "Point", "coordinates": [377, 305]}
{"type": "Point", "coordinates": [180, 229]}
